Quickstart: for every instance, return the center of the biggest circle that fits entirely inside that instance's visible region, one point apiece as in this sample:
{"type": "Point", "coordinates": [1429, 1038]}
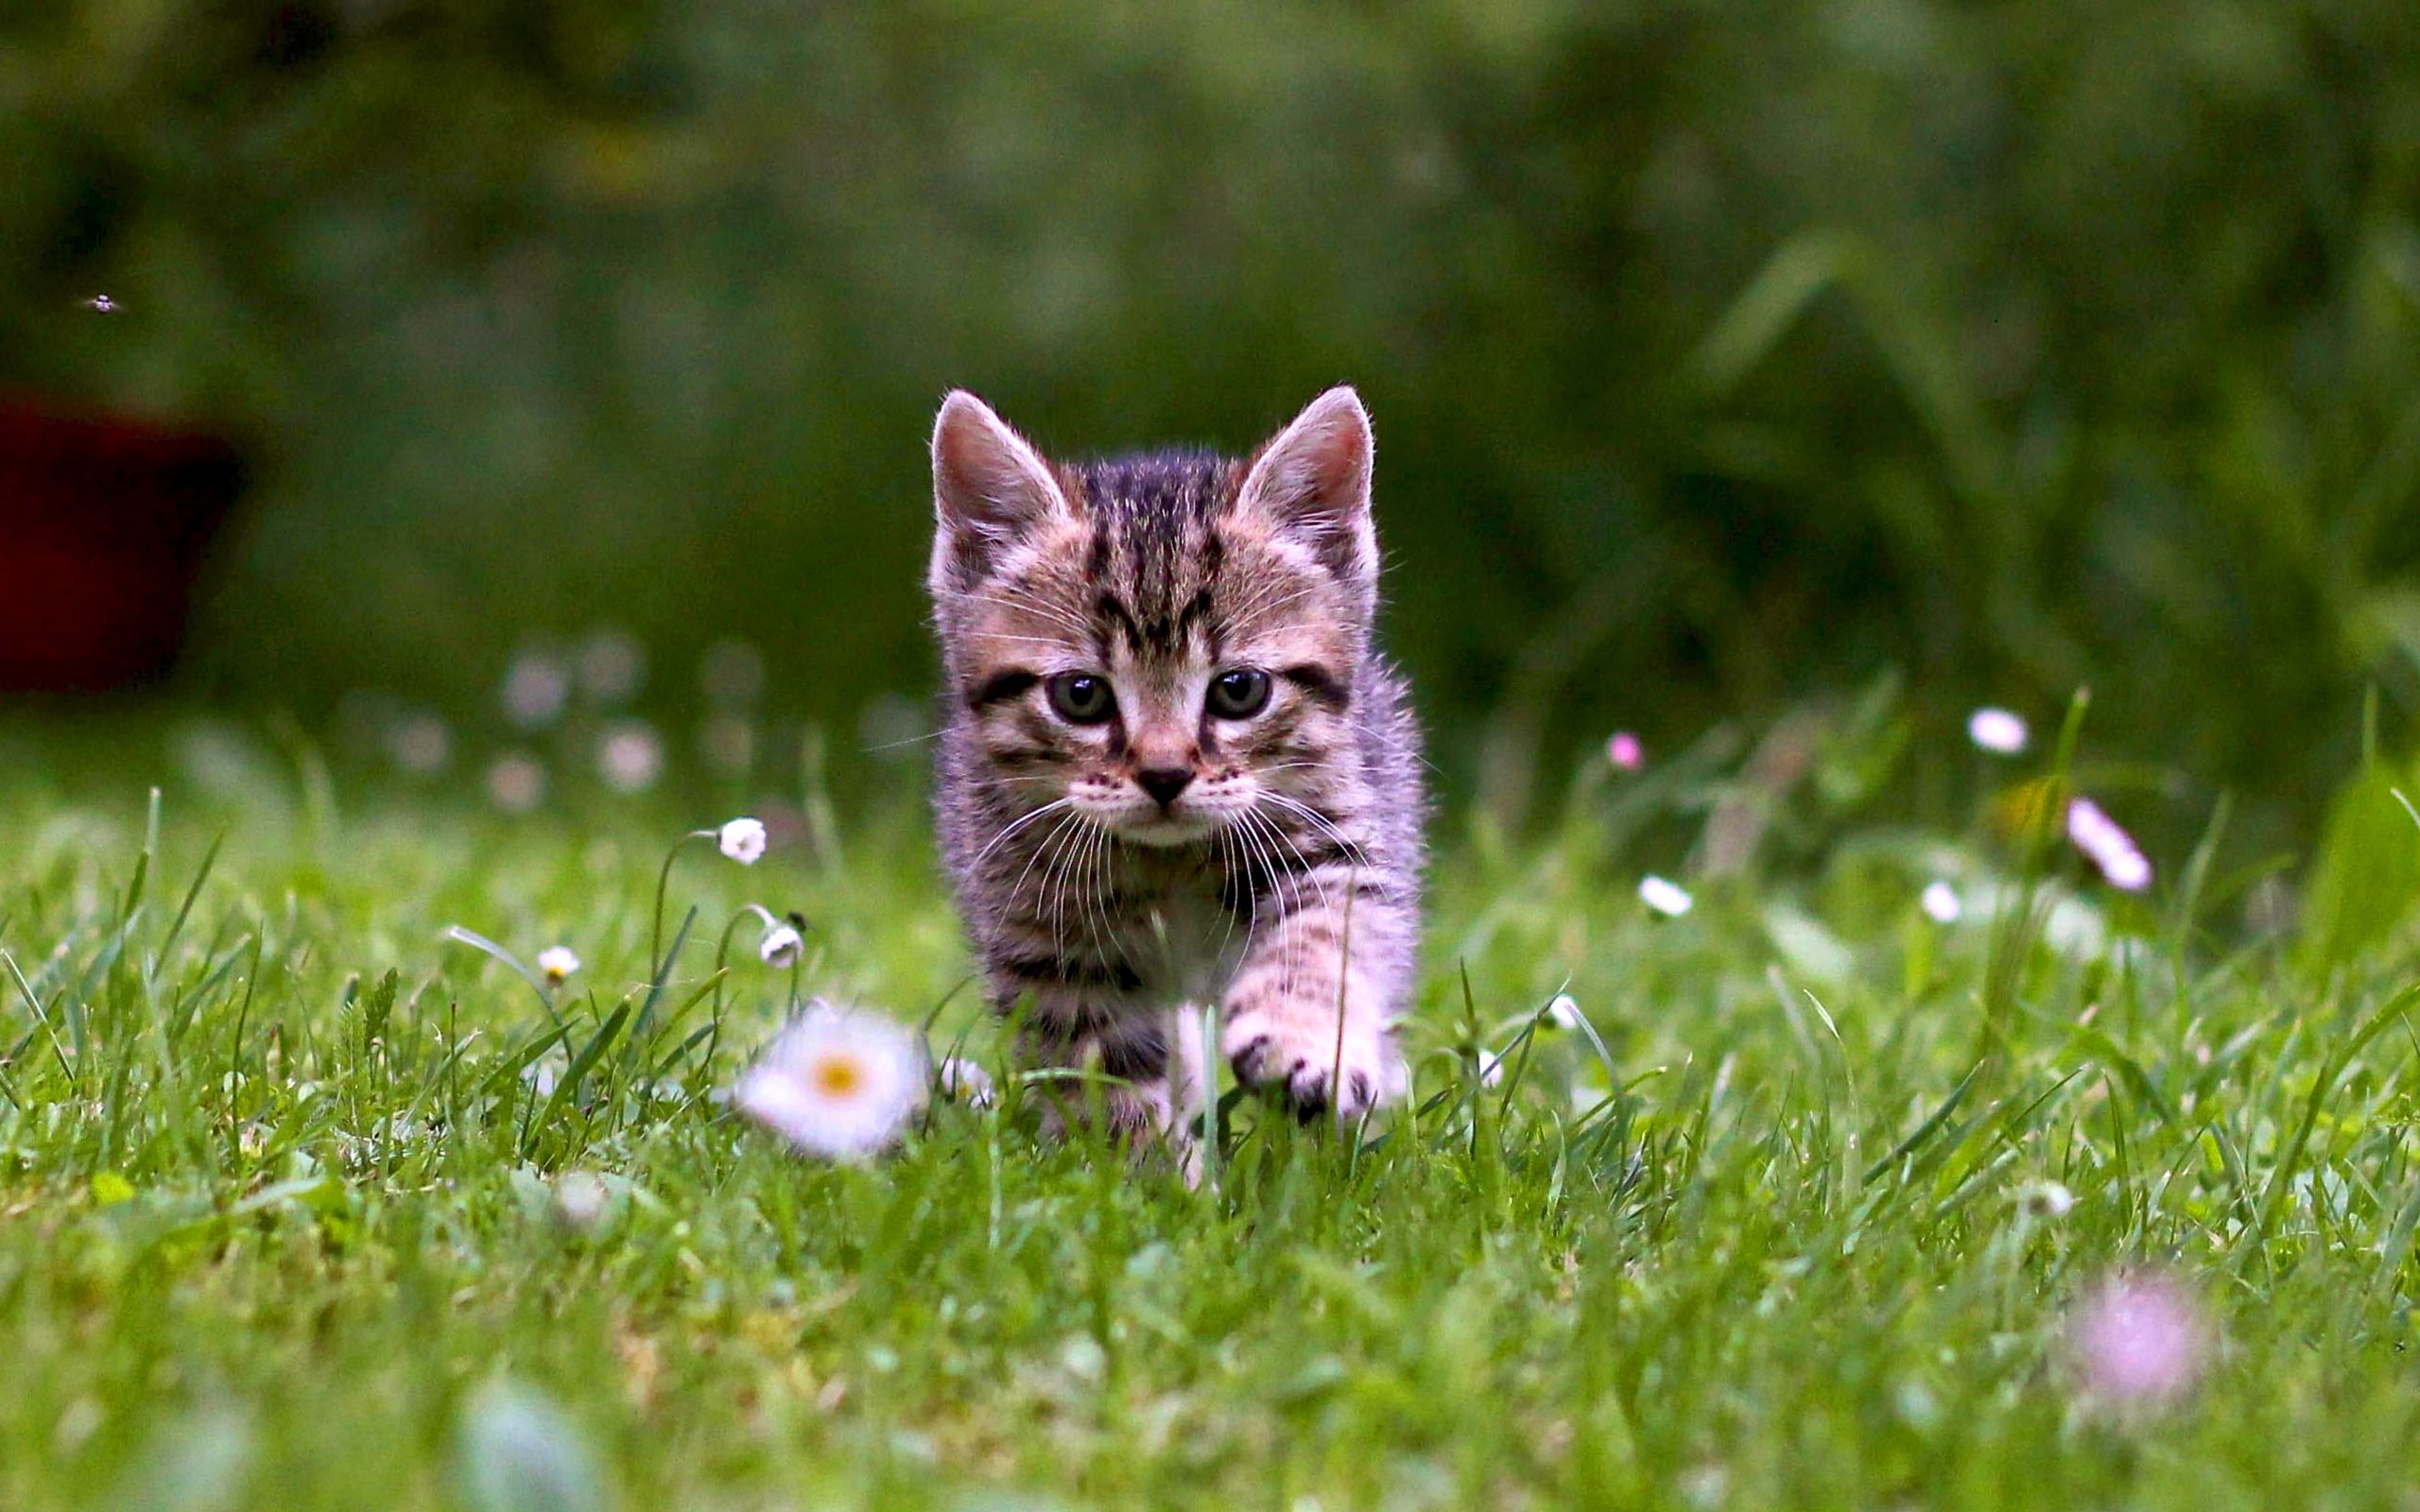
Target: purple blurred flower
{"type": "Point", "coordinates": [1625, 751]}
{"type": "Point", "coordinates": [536, 688]}
{"type": "Point", "coordinates": [2138, 1340]}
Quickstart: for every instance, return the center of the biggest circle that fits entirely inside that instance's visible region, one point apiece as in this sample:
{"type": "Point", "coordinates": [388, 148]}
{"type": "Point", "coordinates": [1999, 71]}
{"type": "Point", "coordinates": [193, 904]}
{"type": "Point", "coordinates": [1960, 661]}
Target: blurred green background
{"type": "Point", "coordinates": [1723, 354]}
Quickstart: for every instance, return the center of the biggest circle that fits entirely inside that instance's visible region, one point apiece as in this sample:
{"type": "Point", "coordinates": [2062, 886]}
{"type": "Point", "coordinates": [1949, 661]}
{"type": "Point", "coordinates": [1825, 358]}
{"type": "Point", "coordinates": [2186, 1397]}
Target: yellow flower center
{"type": "Point", "coordinates": [838, 1076]}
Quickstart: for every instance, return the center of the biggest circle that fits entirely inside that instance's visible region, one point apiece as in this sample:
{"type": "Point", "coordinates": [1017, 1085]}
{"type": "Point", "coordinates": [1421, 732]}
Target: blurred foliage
{"type": "Point", "coordinates": [1719, 352]}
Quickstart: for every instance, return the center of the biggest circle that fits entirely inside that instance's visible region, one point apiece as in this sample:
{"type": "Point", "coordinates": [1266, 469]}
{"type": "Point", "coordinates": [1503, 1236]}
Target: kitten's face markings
{"type": "Point", "coordinates": [1167, 645]}
{"type": "Point", "coordinates": [1162, 729]}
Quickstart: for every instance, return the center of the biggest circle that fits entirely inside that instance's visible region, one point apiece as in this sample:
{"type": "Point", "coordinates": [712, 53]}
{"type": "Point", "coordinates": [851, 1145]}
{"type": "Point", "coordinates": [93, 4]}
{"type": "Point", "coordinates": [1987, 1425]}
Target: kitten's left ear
{"type": "Point", "coordinates": [990, 488]}
{"type": "Point", "coordinates": [1313, 482]}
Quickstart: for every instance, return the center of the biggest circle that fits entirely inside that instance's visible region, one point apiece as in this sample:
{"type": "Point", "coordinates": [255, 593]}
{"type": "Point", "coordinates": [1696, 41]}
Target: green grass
{"type": "Point", "coordinates": [278, 1222]}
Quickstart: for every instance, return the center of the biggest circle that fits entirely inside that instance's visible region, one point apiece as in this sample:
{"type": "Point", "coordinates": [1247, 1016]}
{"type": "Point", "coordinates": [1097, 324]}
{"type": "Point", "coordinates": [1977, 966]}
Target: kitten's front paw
{"type": "Point", "coordinates": [1296, 1053]}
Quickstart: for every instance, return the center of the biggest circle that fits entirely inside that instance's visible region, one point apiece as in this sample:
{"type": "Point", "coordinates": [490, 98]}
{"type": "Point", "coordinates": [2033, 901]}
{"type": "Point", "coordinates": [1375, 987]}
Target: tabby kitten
{"type": "Point", "coordinates": [1175, 770]}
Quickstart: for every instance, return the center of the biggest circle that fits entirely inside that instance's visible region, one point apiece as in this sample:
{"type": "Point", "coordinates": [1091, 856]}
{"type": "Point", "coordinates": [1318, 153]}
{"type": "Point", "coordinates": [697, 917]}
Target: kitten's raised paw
{"type": "Point", "coordinates": [1307, 1069]}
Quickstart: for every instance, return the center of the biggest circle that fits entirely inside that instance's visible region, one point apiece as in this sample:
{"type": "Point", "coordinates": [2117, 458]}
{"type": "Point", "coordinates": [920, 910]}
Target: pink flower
{"type": "Point", "coordinates": [630, 757]}
{"type": "Point", "coordinates": [2108, 846]}
{"type": "Point", "coordinates": [518, 782]}
{"type": "Point", "coordinates": [1998, 730]}
{"type": "Point", "coordinates": [1625, 751]}
{"type": "Point", "coordinates": [2139, 1341]}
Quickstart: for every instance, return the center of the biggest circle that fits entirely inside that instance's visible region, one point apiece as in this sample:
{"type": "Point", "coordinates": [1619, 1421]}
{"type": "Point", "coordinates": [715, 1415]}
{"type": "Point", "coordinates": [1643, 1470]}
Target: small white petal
{"type": "Point", "coordinates": [1667, 898]}
{"type": "Point", "coordinates": [743, 840]}
{"type": "Point", "coordinates": [1564, 1012]}
{"type": "Point", "coordinates": [1491, 1068]}
{"type": "Point", "coordinates": [558, 962]}
{"type": "Point", "coordinates": [1998, 730]}
{"type": "Point", "coordinates": [1941, 904]}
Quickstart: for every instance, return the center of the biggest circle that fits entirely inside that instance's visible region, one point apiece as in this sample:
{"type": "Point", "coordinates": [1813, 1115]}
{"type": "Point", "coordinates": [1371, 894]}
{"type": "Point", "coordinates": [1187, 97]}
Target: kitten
{"type": "Point", "coordinates": [1175, 771]}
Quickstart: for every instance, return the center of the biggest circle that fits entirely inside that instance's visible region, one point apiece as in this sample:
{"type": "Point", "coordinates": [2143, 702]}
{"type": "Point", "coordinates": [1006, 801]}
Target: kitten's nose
{"type": "Point", "coordinates": [1165, 783]}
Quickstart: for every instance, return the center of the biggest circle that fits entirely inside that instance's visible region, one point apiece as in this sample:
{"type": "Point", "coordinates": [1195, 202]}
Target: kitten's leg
{"type": "Point", "coordinates": [1138, 1103]}
{"type": "Point", "coordinates": [1312, 1009]}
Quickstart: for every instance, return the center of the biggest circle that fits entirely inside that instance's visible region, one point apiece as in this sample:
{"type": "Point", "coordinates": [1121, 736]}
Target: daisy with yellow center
{"type": "Point", "coordinates": [835, 1084]}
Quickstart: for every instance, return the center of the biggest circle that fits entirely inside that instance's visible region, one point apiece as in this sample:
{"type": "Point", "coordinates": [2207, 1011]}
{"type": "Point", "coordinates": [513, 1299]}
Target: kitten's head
{"type": "Point", "coordinates": [1167, 643]}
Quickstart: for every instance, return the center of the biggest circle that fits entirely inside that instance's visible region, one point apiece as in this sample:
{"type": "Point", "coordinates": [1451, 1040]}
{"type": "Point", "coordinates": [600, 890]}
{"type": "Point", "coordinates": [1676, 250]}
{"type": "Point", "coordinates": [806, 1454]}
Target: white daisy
{"type": "Point", "coordinates": [558, 962]}
{"type": "Point", "coordinates": [1998, 730]}
{"type": "Point", "coordinates": [1941, 904]}
{"type": "Point", "coordinates": [963, 1081]}
{"type": "Point", "coordinates": [782, 946]}
{"type": "Point", "coordinates": [1564, 1012]}
{"type": "Point", "coordinates": [743, 840]}
{"type": "Point", "coordinates": [1667, 898]}
{"type": "Point", "coordinates": [838, 1085]}
{"type": "Point", "coordinates": [2045, 1199]}
{"type": "Point", "coordinates": [581, 1198]}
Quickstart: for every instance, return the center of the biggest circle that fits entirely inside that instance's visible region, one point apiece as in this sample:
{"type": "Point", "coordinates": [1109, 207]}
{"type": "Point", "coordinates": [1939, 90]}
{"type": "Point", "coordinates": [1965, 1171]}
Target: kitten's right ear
{"type": "Point", "coordinates": [990, 488]}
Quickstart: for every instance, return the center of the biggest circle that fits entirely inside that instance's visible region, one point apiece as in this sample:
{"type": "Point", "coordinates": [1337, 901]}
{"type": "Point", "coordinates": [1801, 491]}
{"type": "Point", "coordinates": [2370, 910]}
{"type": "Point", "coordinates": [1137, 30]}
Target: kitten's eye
{"type": "Point", "coordinates": [1081, 698]}
{"type": "Point", "coordinates": [1240, 694]}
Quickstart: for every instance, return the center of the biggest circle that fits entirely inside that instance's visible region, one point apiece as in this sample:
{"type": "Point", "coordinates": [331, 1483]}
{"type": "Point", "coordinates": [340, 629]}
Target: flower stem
{"type": "Point", "coordinates": [656, 966]}
{"type": "Point", "coordinates": [722, 954]}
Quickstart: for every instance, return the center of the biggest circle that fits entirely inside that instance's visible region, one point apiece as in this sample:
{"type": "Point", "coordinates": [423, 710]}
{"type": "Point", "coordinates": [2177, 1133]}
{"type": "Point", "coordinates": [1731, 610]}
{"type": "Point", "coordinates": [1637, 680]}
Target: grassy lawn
{"type": "Point", "coordinates": [302, 1206]}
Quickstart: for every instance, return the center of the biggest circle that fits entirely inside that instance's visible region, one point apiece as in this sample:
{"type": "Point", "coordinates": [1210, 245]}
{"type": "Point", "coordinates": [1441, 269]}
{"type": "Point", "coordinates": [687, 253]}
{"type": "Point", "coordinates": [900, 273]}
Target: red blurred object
{"type": "Point", "coordinates": [103, 523]}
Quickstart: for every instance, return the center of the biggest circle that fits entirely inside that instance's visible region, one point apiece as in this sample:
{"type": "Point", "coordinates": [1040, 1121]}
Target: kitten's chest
{"type": "Point", "coordinates": [1178, 935]}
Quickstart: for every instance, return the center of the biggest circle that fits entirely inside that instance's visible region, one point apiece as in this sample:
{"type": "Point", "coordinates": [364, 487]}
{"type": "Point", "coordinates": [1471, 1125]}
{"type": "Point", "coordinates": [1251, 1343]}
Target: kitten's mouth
{"type": "Point", "coordinates": [1163, 829]}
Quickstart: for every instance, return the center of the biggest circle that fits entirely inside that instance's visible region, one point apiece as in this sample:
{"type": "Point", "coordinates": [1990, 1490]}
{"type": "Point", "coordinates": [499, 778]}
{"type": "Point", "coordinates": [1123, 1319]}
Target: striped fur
{"type": "Point", "coordinates": [1282, 881]}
